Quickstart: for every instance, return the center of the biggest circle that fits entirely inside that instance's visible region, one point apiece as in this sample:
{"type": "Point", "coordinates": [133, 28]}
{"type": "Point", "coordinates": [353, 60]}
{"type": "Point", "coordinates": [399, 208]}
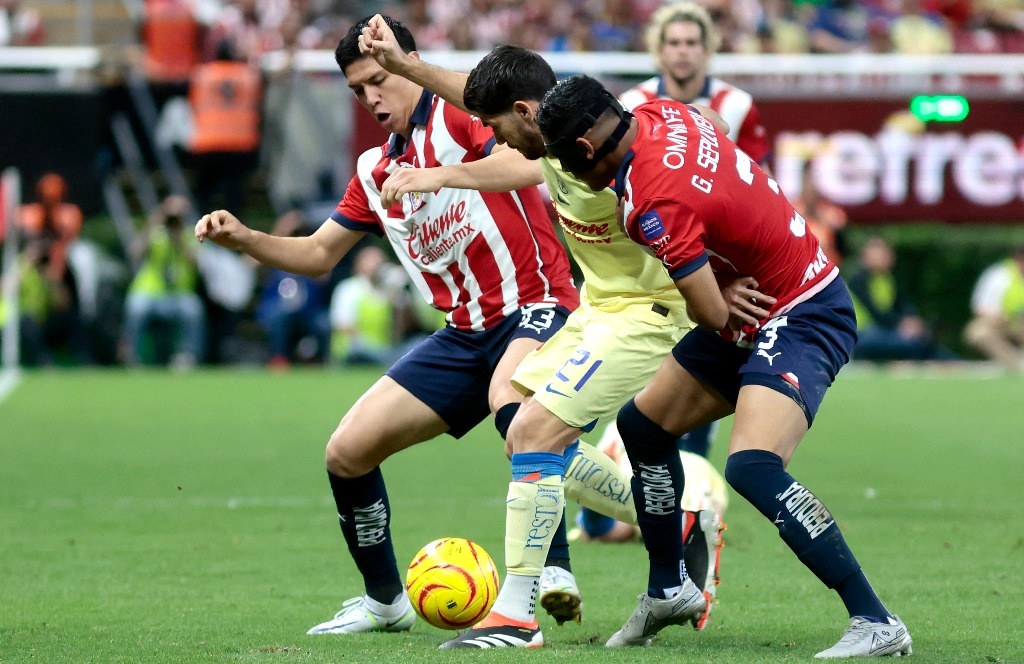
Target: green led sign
{"type": "Point", "coordinates": [939, 108]}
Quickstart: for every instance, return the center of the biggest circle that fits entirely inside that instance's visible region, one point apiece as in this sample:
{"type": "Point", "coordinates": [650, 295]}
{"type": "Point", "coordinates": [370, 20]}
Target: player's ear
{"type": "Point", "coordinates": [524, 110]}
{"type": "Point", "coordinates": [415, 55]}
{"type": "Point", "coordinates": [585, 146]}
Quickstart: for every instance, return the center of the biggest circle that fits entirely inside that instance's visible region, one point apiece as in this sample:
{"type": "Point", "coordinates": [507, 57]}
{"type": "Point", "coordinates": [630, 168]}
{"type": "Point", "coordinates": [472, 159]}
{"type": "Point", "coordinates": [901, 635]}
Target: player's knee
{"type": "Point", "coordinates": [745, 470]}
{"type": "Point", "coordinates": [640, 432]}
{"type": "Point", "coordinates": [343, 460]}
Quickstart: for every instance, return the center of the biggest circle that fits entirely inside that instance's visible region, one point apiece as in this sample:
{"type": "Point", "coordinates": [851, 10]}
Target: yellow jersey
{"type": "Point", "coordinates": [617, 272]}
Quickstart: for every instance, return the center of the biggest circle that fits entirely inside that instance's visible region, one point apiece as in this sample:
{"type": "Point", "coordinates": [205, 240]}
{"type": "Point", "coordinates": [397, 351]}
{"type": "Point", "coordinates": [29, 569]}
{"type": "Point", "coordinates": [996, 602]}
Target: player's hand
{"type": "Point", "coordinates": [223, 228]}
{"type": "Point", "coordinates": [747, 305]}
{"type": "Point", "coordinates": [408, 180]}
{"type": "Point", "coordinates": [378, 41]}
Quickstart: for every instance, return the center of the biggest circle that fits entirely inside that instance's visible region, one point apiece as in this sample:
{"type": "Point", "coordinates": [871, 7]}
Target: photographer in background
{"type": "Point", "coordinates": [163, 291]}
{"type": "Point", "coordinates": [996, 328]}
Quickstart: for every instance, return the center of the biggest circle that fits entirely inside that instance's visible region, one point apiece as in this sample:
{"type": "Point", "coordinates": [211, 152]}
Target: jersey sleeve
{"type": "Point", "coordinates": [468, 131]}
{"type": "Point", "coordinates": [673, 233]}
{"type": "Point", "coordinates": [354, 212]}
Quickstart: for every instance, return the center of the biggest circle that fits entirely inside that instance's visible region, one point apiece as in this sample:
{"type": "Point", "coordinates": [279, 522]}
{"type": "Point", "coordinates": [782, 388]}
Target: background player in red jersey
{"type": "Point", "coordinates": [710, 214]}
{"type": "Point", "coordinates": [492, 261]}
{"type": "Point", "coordinates": [682, 38]}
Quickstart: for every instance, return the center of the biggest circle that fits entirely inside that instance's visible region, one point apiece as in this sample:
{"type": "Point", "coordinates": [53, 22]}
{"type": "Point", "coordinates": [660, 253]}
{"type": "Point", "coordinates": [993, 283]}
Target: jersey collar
{"type": "Point", "coordinates": [420, 116]}
{"type": "Point", "coordinates": [620, 175]}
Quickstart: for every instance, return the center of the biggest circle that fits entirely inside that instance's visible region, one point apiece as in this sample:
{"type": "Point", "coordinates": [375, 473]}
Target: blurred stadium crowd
{"type": "Point", "coordinates": [746, 26]}
{"type": "Point", "coordinates": [152, 305]}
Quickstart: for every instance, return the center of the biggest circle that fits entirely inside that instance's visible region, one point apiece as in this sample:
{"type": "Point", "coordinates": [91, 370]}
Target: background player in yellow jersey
{"type": "Point", "coordinates": [630, 317]}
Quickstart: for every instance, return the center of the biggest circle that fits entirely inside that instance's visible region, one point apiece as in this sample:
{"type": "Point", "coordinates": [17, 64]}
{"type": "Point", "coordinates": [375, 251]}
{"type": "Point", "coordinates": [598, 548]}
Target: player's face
{"type": "Point", "coordinates": [391, 99]}
{"type": "Point", "coordinates": [518, 129]}
{"type": "Point", "coordinates": [682, 55]}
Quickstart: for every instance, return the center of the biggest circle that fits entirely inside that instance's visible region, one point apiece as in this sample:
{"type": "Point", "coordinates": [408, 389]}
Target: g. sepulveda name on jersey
{"type": "Point", "coordinates": [692, 196]}
{"type": "Point", "coordinates": [614, 268]}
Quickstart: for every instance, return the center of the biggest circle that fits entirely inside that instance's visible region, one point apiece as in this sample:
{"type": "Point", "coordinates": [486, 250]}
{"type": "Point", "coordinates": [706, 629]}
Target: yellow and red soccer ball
{"type": "Point", "coordinates": [452, 583]}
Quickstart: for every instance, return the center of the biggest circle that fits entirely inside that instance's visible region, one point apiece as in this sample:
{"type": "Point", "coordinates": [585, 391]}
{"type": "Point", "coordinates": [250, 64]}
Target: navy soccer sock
{"type": "Point", "coordinates": [365, 517]}
{"type": "Point", "coordinates": [805, 525]}
{"type": "Point", "coordinates": [657, 487]}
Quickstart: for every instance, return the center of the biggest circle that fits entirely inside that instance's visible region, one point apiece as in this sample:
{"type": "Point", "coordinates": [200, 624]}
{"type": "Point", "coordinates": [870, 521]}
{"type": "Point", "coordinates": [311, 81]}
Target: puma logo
{"type": "Point", "coordinates": [771, 357]}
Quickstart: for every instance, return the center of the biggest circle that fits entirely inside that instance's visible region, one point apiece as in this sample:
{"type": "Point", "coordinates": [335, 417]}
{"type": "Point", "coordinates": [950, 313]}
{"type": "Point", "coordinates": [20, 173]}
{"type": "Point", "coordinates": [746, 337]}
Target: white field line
{"type": "Point", "coordinates": [9, 379]}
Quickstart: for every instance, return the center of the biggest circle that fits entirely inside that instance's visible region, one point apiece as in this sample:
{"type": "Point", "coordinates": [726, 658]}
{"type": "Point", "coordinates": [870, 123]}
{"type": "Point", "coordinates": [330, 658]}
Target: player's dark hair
{"type": "Point", "coordinates": [559, 111]}
{"type": "Point", "coordinates": [569, 110]}
{"type": "Point", "coordinates": [504, 76]}
{"type": "Point", "coordinates": [348, 48]}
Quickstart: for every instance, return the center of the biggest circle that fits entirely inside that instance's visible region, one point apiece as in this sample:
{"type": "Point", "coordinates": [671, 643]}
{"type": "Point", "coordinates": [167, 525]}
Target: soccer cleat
{"type": "Point", "coordinates": [363, 614]}
{"type": "Point", "coordinates": [559, 595]}
{"type": "Point", "coordinates": [702, 549]}
{"type": "Point", "coordinates": [652, 615]}
{"type": "Point", "coordinates": [865, 638]}
{"type": "Point", "coordinates": [497, 631]}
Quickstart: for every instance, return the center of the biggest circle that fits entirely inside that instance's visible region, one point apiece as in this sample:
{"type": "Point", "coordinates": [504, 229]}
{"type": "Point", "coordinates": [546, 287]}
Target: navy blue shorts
{"type": "Point", "coordinates": [797, 354]}
{"type": "Point", "coordinates": [451, 370]}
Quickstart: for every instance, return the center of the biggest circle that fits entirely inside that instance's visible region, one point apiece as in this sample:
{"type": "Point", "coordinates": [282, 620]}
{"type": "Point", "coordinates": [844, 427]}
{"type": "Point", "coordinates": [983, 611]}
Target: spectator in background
{"type": "Point", "coordinates": [888, 325]}
{"type": "Point", "coordinates": [226, 97]}
{"type": "Point", "coordinates": [20, 26]}
{"type": "Point", "coordinates": [292, 308]}
{"type": "Point", "coordinates": [49, 226]}
{"type": "Point", "coordinates": [840, 26]}
{"type": "Point", "coordinates": [164, 291]}
{"type": "Point", "coordinates": [173, 32]}
{"type": "Point", "coordinates": [996, 328]}
{"type": "Point", "coordinates": [917, 31]}
{"type": "Point", "coordinates": [616, 28]}
{"type": "Point", "coordinates": [250, 26]}
{"type": "Point", "coordinates": [370, 311]}
{"type": "Point", "coordinates": [824, 218]}
{"type": "Point", "coordinates": [682, 38]}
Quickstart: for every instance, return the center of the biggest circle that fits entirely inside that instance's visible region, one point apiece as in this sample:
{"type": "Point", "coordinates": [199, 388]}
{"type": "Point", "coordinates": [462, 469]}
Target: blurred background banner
{"type": "Point", "coordinates": [848, 118]}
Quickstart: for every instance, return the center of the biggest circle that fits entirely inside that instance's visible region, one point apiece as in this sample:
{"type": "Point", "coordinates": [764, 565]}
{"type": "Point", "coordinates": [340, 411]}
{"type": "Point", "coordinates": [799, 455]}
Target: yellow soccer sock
{"type": "Point", "coordinates": [596, 482]}
{"type": "Point", "coordinates": [532, 513]}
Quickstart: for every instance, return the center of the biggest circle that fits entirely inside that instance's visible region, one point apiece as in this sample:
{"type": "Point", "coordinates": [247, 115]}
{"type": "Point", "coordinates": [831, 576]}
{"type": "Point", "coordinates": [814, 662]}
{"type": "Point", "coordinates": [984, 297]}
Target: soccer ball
{"type": "Point", "coordinates": [452, 583]}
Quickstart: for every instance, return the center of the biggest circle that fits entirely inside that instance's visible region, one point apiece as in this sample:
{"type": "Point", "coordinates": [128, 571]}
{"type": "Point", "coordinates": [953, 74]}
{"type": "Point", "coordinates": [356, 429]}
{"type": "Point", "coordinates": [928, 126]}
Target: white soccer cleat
{"type": "Point", "coordinates": [871, 639]}
{"type": "Point", "coordinates": [559, 595]}
{"type": "Point", "coordinates": [364, 614]}
{"type": "Point", "coordinates": [652, 615]}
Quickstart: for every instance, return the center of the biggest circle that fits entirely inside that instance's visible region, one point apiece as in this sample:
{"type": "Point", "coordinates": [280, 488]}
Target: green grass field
{"type": "Point", "coordinates": [154, 517]}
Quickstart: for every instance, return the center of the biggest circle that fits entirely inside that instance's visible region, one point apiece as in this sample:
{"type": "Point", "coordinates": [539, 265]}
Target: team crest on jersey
{"type": "Point", "coordinates": [650, 225]}
{"type": "Point", "coordinates": [415, 200]}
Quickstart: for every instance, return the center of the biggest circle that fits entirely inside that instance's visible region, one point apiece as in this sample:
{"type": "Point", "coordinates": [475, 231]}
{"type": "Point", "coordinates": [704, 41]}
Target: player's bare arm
{"type": "Point", "coordinates": [504, 170]}
{"type": "Point", "coordinates": [378, 41]}
{"type": "Point", "coordinates": [312, 255]}
{"type": "Point", "coordinates": [704, 302]}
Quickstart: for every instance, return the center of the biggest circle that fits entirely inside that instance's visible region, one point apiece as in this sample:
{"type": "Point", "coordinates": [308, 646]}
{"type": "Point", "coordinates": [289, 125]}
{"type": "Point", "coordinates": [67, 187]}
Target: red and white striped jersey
{"type": "Point", "coordinates": [693, 197]}
{"type": "Point", "coordinates": [734, 105]}
{"type": "Point", "coordinates": [478, 256]}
